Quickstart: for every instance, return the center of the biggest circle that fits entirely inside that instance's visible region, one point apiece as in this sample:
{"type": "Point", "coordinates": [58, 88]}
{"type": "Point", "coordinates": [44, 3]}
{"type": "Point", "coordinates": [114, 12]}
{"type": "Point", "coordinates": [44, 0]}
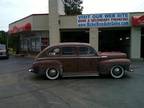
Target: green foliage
{"type": "Point", "coordinates": [73, 7]}
{"type": "Point", "coordinates": [3, 38]}
{"type": "Point", "coordinates": [13, 42]}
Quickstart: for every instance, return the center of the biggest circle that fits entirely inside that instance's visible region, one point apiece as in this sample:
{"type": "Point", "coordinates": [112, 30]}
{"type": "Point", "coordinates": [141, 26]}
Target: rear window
{"type": "Point", "coordinates": [86, 51]}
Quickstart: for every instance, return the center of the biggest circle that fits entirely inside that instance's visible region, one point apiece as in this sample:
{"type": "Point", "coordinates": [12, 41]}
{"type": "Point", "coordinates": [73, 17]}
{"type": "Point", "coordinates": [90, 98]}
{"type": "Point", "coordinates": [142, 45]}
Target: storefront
{"type": "Point", "coordinates": [138, 21]}
{"type": "Point", "coordinates": [113, 30]}
{"type": "Point", "coordinates": [32, 33]}
{"type": "Point", "coordinates": [122, 32]}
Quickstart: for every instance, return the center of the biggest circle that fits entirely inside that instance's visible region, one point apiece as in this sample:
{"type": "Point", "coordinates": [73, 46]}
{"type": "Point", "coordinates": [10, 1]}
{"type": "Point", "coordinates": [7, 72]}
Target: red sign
{"type": "Point", "coordinates": [22, 28]}
{"type": "Point", "coordinates": [138, 20]}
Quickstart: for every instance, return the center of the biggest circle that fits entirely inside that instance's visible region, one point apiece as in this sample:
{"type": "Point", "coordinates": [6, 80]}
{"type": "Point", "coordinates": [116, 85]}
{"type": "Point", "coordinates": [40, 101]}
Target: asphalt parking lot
{"type": "Point", "coordinates": [21, 89]}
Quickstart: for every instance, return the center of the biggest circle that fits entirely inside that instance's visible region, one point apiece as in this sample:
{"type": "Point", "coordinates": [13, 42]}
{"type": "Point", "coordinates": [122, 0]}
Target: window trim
{"type": "Point", "coordinates": [48, 51]}
{"type": "Point", "coordinates": [74, 54]}
{"type": "Point", "coordinates": [88, 54]}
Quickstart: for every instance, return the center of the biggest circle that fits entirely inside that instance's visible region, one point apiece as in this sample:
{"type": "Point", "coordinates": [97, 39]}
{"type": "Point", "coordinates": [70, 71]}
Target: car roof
{"type": "Point", "coordinates": [75, 44]}
{"type": "Point", "coordinates": [72, 44]}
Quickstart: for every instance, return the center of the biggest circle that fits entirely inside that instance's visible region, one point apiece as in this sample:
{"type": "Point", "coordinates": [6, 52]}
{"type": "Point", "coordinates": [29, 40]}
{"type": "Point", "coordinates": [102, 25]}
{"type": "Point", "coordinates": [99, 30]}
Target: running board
{"type": "Point", "coordinates": [80, 75]}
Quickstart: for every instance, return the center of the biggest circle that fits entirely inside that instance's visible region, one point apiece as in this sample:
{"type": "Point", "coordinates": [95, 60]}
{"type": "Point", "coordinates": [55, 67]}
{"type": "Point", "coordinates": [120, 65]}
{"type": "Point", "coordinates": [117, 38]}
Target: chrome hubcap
{"type": "Point", "coordinates": [52, 73]}
{"type": "Point", "coordinates": [117, 71]}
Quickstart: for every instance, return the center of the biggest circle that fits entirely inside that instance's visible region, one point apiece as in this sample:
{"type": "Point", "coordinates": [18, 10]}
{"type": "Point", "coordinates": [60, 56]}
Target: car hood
{"type": "Point", "coordinates": [112, 54]}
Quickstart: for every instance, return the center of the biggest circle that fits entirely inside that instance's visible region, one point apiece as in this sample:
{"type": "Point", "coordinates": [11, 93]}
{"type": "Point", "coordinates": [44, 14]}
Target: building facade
{"type": "Point", "coordinates": [105, 32]}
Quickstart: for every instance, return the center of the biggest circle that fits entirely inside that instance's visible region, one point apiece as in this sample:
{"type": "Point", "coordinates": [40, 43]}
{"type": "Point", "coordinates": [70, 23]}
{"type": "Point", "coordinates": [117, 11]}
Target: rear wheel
{"type": "Point", "coordinates": [52, 74]}
{"type": "Point", "coordinates": [117, 72]}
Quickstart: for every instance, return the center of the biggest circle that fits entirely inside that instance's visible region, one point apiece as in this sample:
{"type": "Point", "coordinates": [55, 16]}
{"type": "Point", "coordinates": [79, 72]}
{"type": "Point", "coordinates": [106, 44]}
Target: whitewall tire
{"type": "Point", "coordinates": [117, 72]}
{"type": "Point", "coordinates": [52, 73]}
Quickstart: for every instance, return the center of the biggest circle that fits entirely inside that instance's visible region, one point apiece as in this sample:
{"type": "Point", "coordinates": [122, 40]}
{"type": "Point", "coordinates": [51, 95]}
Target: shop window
{"type": "Point", "coordinates": [44, 43]}
{"type": "Point", "coordinates": [25, 45]}
{"type": "Point", "coordinates": [35, 44]}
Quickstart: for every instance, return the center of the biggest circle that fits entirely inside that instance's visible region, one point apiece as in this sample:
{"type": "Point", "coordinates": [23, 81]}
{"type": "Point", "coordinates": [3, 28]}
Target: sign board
{"type": "Point", "coordinates": [103, 20]}
{"type": "Point", "coordinates": [138, 20]}
{"type": "Point", "coordinates": [21, 28]}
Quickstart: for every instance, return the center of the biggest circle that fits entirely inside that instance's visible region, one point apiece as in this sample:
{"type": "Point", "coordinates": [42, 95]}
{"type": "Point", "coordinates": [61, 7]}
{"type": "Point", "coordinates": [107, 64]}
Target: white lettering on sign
{"type": "Point", "coordinates": [103, 20]}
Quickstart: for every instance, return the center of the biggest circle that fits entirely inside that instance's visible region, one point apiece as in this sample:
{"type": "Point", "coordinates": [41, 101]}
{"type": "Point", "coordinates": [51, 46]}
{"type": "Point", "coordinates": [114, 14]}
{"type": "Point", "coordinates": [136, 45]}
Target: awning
{"type": "Point", "coordinates": [138, 20]}
{"type": "Point", "coordinates": [20, 28]}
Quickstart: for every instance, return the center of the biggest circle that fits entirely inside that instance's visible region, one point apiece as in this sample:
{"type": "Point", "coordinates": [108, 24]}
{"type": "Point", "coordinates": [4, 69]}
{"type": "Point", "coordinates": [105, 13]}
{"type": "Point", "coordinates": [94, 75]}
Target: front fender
{"type": "Point", "coordinates": [105, 65]}
{"type": "Point", "coordinates": [41, 66]}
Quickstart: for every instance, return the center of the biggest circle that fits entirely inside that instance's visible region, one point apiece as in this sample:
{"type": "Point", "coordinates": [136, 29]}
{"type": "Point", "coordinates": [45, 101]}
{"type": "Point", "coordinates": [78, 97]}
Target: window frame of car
{"type": "Point", "coordinates": [88, 53]}
{"type": "Point", "coordinates": [45, 52]}
{"type": "Point", "coordinates": [69, 55]}
{"type": "Point", "coordinates": [49, 52]}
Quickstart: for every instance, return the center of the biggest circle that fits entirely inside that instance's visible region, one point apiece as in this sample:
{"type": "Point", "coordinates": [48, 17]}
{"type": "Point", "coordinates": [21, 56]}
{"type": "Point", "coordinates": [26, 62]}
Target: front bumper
{"type": "Point", "coordinates": [4, 57]}
{"type": "Point", "coordinates": [130, 69]}
{"type": "Point", "coordinates": [31, 70]}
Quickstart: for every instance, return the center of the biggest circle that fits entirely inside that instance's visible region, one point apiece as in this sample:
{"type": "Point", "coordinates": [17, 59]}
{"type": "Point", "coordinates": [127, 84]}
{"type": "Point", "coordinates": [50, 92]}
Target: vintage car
{"type": "Point", "coordinates": [79, 59]}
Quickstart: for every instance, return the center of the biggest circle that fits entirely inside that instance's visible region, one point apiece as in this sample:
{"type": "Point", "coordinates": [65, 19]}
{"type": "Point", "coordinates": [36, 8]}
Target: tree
{"type": "Point", "coordinates": [73, 7]}
{"type": "Point", "coordinates": [3, 39]}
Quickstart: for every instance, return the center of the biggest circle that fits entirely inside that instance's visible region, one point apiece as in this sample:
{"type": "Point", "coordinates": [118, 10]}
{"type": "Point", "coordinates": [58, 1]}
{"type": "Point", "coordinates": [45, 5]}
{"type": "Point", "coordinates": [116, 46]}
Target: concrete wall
{"type": "Point", "coordinates": [54, 33]}
{"type": "Point", "coordinates": [61, 7]}
{"type": "Point", "coordinates": [40, 22]}
{"type": "Point", "coordinates": [94, 38]}
{"type": "Point", "coordinates": [135, 46]}
{"type": "Point", "coordinates": [68, 22]}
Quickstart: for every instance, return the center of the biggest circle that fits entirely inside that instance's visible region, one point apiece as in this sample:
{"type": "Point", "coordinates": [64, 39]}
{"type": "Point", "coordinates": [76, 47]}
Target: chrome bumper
{"type": "Point", "coordinates": [31, 70]}
{"type": "Point", "coordinates": [131, 68]}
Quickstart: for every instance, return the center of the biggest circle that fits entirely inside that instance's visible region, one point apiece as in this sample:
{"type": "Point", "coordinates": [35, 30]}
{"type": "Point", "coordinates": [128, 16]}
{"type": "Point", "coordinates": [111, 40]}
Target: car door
{"type": "Point", "coordinates": [69, 59]}
{"type": "Point", "coordinates": [87, 60]}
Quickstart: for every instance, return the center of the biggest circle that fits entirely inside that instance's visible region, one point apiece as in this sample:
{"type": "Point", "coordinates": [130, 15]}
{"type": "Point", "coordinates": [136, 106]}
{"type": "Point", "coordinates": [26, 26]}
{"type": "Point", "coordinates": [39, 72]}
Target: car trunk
{"type": "Point", "coordinates": [112, 54]}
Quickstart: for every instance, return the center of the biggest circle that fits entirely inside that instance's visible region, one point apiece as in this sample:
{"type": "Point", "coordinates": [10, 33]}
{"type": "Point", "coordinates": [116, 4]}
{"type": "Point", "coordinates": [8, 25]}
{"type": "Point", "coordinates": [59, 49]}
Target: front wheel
{"type": "Point", "coordinates": [117, 72]}
{"type": "Point", "coordinates": [52, 73]}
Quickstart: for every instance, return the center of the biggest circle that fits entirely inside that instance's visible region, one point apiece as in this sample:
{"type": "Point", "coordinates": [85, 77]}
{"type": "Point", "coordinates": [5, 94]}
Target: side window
{"type": "Point", "coordinates": [68, 51]}
{"type": "Point", "coordinates": [83, 51]}
{"type": "Point", "coordinates": [53, 52]}
{"type": "Point", "coordinates": [92, 51]}
{"type": "Point", "coordinates": [86, 51]}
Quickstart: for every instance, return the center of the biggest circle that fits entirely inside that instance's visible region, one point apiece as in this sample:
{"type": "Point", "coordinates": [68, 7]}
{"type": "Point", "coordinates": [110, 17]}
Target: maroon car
{"type": "Point", "coordinates": [78, 59]}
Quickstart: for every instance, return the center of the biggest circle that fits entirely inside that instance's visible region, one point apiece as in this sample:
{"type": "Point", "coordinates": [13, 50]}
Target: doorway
{"type": "Point", "coordinates": [74, 36]}
{"type": "Point", "coordinates": [115, 40]}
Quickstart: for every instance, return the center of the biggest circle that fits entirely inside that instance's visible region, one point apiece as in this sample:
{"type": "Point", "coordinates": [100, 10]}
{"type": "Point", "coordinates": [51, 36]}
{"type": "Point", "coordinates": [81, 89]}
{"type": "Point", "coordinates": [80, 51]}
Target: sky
{"type": "Point", "coordinates": [13, 10]}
